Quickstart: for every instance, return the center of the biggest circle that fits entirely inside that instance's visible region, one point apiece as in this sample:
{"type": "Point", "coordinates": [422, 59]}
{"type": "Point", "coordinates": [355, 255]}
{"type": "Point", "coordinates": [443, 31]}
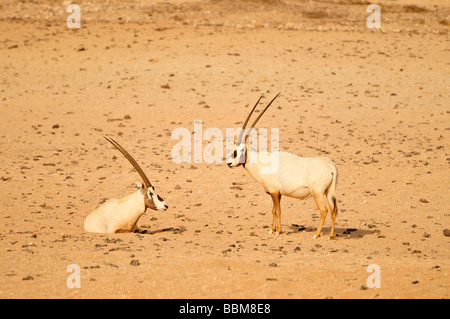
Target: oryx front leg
{"type": "Point", "coordinates": [323, 212]}
{"type": "Point", "coordinates": [136, 229]}
{"type": "Point", "coordinates": [276, 214]}
{"type": "Point", "coordinates": [274, 220]}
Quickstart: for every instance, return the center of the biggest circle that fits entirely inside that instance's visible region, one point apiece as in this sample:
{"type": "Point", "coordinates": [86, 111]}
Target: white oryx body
{"type": "Point", "coordinates": [282, 173]}
{"type": "Point", "coordinates": [296, 177]}
{"type": "Point", "coordinates": [119, 215]}
{"type": "Point", "coordinates": [122, 215]}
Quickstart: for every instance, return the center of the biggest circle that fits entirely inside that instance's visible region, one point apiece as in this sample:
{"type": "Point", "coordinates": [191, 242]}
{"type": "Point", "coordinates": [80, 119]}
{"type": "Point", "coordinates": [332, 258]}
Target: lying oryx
{"type": "Point", "coordinates": [122, 215]}
{"type": "Point", "coordinates": [297, 177]}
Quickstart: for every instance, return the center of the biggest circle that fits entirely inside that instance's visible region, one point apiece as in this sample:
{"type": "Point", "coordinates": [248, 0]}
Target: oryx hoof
{"type": "Point", "coordinates": [316, 236]}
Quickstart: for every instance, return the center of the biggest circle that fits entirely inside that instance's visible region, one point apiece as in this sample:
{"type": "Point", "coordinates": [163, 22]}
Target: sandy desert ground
{"type": "Point", "coordinates": [374, 101]}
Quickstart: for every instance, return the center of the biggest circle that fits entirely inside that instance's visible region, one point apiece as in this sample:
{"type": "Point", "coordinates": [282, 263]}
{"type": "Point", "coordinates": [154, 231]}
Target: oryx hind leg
{"type": "Point", "coordinates": [118, 231]}
{"type": "Point", "coordinates": [318, 197]}
{"type": "Point", "coordinates": [333, 208]}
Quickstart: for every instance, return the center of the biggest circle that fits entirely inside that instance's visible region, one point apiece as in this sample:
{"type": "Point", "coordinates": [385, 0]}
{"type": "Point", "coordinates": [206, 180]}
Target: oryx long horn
{"type": "Point", "coordinates": [248, 118]}
{"type": "Point", "coordinates": [131, 160]}
{"type": "Point", "coordinates": [261, 114]}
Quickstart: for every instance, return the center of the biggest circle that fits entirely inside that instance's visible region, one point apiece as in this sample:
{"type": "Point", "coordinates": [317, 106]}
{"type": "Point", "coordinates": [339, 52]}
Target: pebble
{"type": "Point", "coordinates": [135, 262]}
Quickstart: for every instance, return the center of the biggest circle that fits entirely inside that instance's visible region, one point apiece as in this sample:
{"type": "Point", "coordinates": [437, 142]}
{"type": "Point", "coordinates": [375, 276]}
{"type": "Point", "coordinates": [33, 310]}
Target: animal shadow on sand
{"type": "Point", "coordinates": [345, 233]}
{"type": "Point", "coordinates": [174, 230]}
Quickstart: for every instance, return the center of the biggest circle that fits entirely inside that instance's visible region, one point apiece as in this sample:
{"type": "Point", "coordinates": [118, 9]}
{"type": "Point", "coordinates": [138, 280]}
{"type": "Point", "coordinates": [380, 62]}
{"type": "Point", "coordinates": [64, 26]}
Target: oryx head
{"type": "Point", "coordinates": [151, 199]}
{"type": "Point", "coordinates": [238, 157]}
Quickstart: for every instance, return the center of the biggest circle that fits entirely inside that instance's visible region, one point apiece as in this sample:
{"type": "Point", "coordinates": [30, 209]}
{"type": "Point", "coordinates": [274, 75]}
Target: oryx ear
{"type": "Point", "coordinates": [140, 186]}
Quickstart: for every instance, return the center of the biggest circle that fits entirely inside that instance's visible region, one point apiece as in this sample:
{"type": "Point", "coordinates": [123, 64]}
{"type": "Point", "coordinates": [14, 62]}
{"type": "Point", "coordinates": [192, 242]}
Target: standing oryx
{"type": "Point", "coordinates": [295, 176]}
{"type": "Point", "coordinates": [122, 215]}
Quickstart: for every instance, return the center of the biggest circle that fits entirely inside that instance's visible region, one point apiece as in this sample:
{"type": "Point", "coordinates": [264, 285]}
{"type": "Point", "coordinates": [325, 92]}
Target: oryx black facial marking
{"type": "Point", "coordinates": [151, 199]}
{"type": "Point", "coordinates": [239, 155]}
{"type": "Point", "coordinates": [122, 215]}
{"type": "Point", "coordinates": [295, 176]}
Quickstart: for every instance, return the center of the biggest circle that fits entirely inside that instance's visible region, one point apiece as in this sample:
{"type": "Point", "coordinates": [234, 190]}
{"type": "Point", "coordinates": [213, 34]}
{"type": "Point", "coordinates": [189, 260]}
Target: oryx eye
{"type": "Point", "coordinates": [234, 154]}
{"type": "Point", "coordinates": [159, 198]}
